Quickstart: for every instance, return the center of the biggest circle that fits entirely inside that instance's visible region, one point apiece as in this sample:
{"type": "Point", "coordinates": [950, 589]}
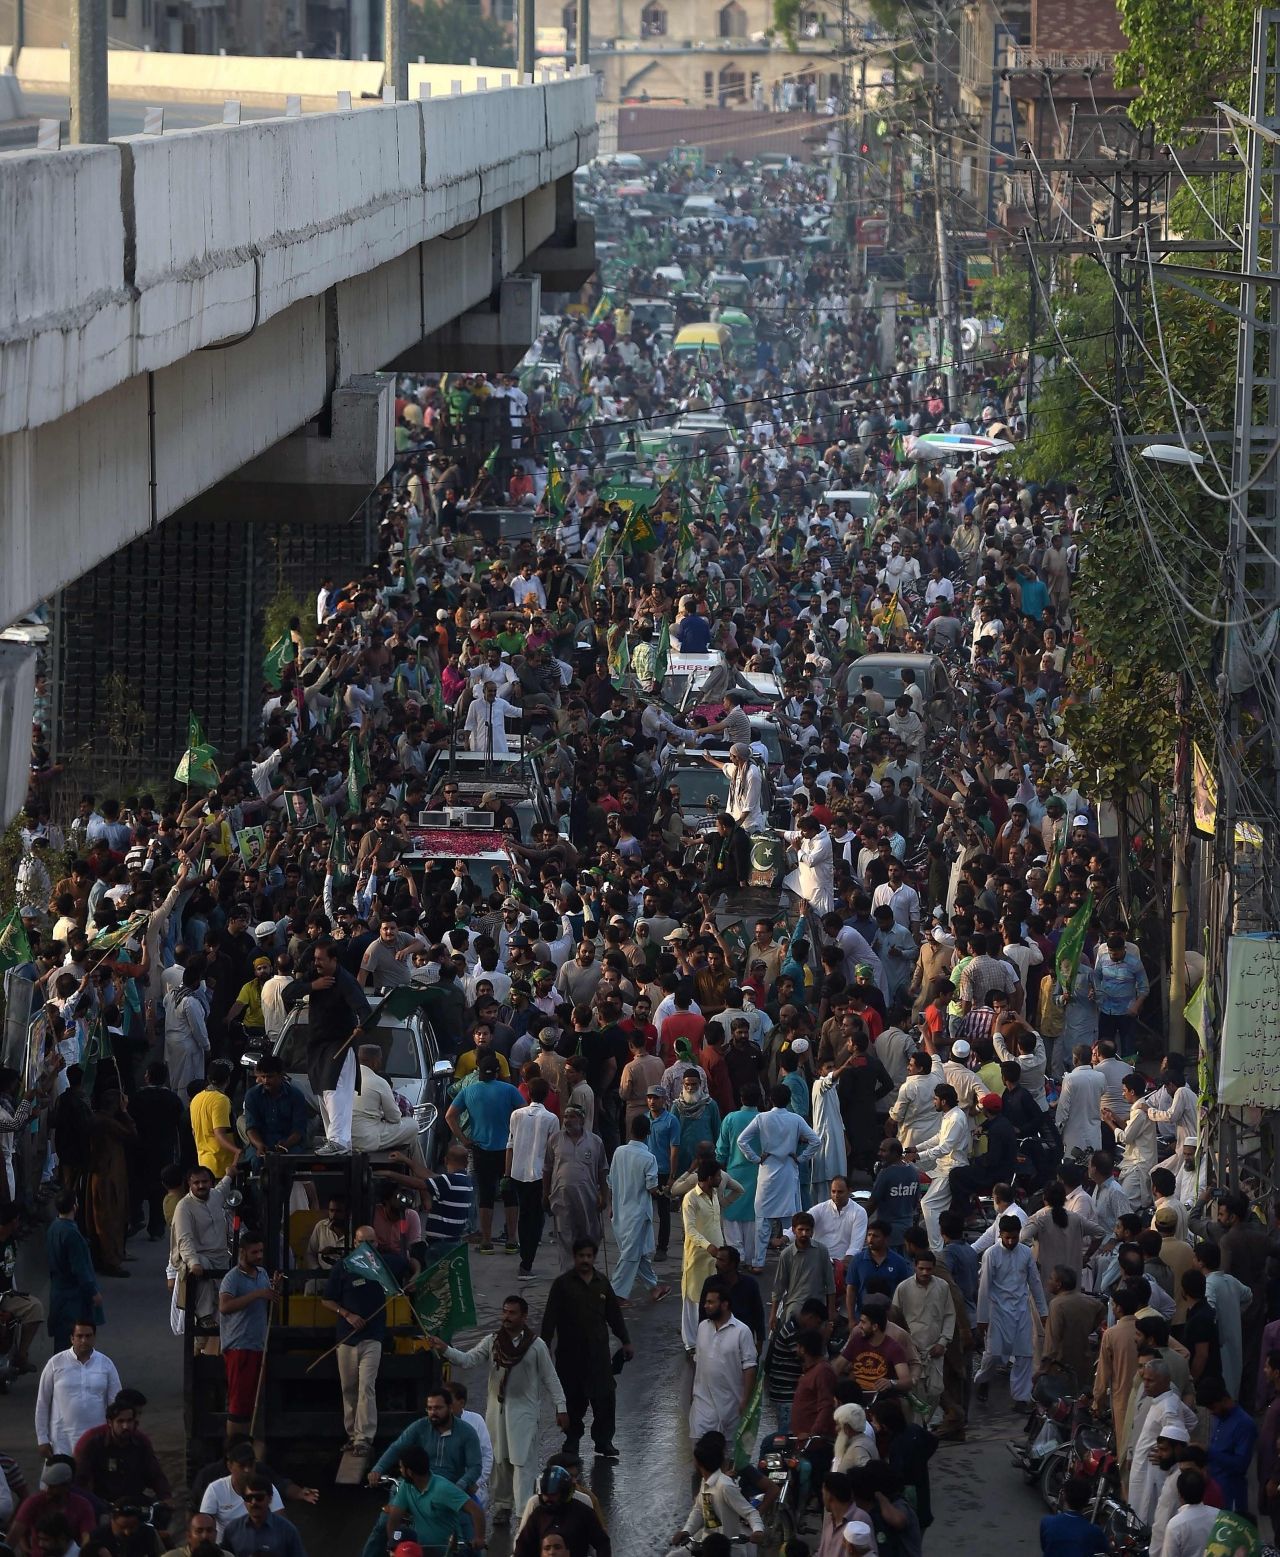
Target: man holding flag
{"type": "Point", "coordinates": [358, 1291]}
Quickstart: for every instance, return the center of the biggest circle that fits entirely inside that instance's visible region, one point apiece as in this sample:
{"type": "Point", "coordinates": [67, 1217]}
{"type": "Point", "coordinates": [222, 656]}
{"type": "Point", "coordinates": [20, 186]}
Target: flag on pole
{"type": "Point", "coordinates": [1071, 946]}
{"type": "Point", "coordinates": [854, 638]}
{"type": "Point", "coordinates": [619, 657]}
{"type": "Point", "coordinates": [1198, 1010]}
{"type": "Point", "coordinates": [357, 778]}
{"type": "Point", "coordinates": [744, 1440]}
{"type": "Point", "coordinates": [365, 1263]}
{"type": "Point", "coordinates": [97, 1048]}
{"type": "Point", "coordinates": [337, 843]}
{"type": "Point", "coordinates": [15, 948]}
{"type": "Point", "coordinates": [603, 308]}
{"type": "Point", "coordinates": [662, 658]}
{"type": "Point", "coordinates": [110, 940]}
{"type": "Point", "coordinates": [640, 531]}
{"type": "Point", "coordinates": [441, 1294]}
{"type": "Point", "coordinates": [198, 765]}
{"type": "Point", "coordinates": [555, 486]}
{"type": "Point", "coordinates": [490, 460]}
{"type": "Point", "coordinates": [280, 654]}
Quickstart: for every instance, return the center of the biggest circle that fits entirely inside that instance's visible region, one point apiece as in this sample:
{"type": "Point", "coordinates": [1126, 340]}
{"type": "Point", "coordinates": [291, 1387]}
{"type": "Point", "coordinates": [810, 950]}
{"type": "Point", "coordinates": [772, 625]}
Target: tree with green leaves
{"type": "Point", "coordinates": [1183, 56]}
{"type": "Point", "coordinates": [450, 32]}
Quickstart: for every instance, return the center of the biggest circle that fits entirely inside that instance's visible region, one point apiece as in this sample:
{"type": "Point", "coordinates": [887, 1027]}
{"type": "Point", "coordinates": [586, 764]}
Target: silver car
{"type": "Point", "coordinates": [411, 1062]}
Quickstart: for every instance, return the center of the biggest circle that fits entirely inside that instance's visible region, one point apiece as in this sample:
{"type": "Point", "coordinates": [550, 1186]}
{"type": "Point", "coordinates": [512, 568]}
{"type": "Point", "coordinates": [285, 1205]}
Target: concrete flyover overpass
{"type": "Point", "coordinates": [192, 324]}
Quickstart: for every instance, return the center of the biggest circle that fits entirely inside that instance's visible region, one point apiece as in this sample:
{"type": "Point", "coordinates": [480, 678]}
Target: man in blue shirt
{"type": "Point", "coordinates": [664, 1139]}
{"type": "Point", "coordinates": [1231, 1443]}
{"type": "Point", "coordinates": [275, 1112]}
{"type": "Point", "coordinates": [489, 1104]}
{"type": "Point", "coordinates": [1070, 1534]}
{"type": "Point", "coordinates": [1122, 985]}
{"type": "Point", "coordinates": [258, 1532]}
{"type": "Point", "coordinates": [877, 1260]}
{"type": "Point", "coordinates": [451, 1445]}
{"type": "Point", "coordinates": [895, 1191]}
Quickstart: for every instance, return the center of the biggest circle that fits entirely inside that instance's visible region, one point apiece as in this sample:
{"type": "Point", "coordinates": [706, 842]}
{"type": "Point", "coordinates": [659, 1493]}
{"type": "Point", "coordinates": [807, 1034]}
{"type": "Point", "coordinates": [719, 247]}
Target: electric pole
{"type": "Point", "coordinates": [1247, 882]}
{"type": "Point", "coordinates": [395, 61]}
{"type": "Point", "coordinates": [526, 39]}
{"type": "Point", "coordinates": [89, 73]}
{"type": "Point", "coordinates": [949, 343]}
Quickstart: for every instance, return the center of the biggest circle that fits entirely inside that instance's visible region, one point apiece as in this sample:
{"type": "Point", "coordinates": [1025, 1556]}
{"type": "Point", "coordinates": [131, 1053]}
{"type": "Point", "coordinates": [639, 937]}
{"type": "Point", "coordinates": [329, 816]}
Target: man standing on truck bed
{"type": "Point", "coordinates": [336, 1009]}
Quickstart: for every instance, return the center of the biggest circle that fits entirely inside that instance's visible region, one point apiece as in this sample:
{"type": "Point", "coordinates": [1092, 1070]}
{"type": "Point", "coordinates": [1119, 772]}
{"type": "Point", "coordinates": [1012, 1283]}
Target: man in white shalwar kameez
{"type": "Point", "coordinates": [633, 1182]}
{"type": "Point", "coordinates": [486, 722]}
{"type": "Point", "coordinates": [521, 1377]}
{"type": "Point", "coordinates": [812, 880]}
{"type": "Point", "coordinates": [1165, 1407]}
{"type": "Point", "coordinates": [725, 1373]}
{"type": "Point", "coordinates": [1008, 1277]}
{"type": "Point", "coordinates": [949, 1150]}
{"type": "Point", "coordinates": [830, 1163]}
{"type": "Point", "coordinates": [781, 1142]}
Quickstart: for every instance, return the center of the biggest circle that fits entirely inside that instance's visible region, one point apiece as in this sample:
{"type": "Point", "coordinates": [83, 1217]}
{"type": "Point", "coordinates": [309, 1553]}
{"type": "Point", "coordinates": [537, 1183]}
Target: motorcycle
{"type": "Point", "coordinates": [1090, 1455]}
{"type": "Point", "coordinates": [1049, 1423]}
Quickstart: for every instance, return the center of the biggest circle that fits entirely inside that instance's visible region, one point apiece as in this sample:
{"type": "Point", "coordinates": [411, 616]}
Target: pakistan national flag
{"type": "Point", "coordinates": [199, 762]}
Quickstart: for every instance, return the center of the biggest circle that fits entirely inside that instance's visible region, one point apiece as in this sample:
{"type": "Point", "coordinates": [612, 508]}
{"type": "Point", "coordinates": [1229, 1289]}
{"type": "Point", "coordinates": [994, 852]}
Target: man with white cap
{"type": "Point", "coordinates": [1170, 1449]}
{"type": "Point", "coordinates": [746, 795]}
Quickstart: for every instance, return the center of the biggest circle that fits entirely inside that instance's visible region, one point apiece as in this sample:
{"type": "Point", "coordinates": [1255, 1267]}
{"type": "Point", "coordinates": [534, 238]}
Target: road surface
{"type": "Point", "coordinates": [979, 1498]}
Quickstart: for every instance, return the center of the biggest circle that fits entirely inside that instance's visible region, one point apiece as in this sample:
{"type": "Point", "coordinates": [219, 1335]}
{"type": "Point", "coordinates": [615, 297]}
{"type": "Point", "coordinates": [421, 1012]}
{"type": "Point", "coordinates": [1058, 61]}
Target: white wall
{"type": "Point", "coordinates": [392, 220]}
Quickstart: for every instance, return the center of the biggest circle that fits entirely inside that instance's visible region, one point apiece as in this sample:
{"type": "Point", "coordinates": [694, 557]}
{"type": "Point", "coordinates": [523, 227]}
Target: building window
{"type": "Point", "coordinates": [569, 19]}
{"type": "Point", "coordinates": [653, 22]}
{"type": "Point", "coordinates": [120, 10]}
{"type": "Point", "coordinates": [733, 21]}
{"type": "Point", "coordinates": [733, 86]}
{"type": "Point", "coordinates": [812, 24]}
{"type": "Point", "coordinates": [708, 85]}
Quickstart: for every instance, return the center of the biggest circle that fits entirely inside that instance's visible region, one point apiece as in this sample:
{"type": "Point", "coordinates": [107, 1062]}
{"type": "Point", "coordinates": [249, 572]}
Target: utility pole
{"type": "Point", "coordinates": [946, 303]}
{"type": "Point", "coordinates": [395, 59]}
{"type": "Point", "coordinates": [89, 73]}
{"type": "Point", "coordinates": [526, 38]}
{"type": "Point", "coordinates": [1246, 881]}
{"type": "Point", "coordinates": [846, 167]}
{"type": "Point", "coordinates": [582, 41]}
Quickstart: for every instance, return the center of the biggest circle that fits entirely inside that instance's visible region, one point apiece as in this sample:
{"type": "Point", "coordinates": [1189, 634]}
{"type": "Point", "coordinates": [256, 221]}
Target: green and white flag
{"type": "Point", "coordinates": [15, 948]}
{"type": "Point", "coordinates": [280, 654]}
{"type": "Point", "coordinates": [1071, 946]}
{"type": "Point", "coordinates": [357, 778]}
{"type": "Point", "coordinates": [441, 1294]}
{"type": "Point", "coordinates": [366, 1264]}
{"type": "Point", "coordinates": [199, 762]}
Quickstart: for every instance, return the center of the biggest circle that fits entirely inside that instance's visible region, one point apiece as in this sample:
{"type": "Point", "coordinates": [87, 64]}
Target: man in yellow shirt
{"type": "Point", "coordinates": [216, 1144]}
{"type": "Point", "coordinates": [248, 1003]}
{"type": "Point", "coordinates": [703, 1235]}
{"type": "Point", "coordinates": [482, 1035]}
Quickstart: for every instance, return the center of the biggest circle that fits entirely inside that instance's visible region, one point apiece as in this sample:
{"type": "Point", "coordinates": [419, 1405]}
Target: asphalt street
{"type": "Point", "coordinates": [979, 1497]}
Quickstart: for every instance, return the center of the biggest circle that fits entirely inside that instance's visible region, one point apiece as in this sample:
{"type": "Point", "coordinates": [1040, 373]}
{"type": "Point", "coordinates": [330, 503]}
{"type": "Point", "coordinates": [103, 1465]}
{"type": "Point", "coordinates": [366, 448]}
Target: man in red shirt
{"type": "Point", "coordinates": [877, 1363]}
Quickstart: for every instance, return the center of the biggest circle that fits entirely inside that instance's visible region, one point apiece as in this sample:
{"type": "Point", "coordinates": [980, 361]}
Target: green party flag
{"type": "Point", "coordinates": [619, 658]}
{"type": "Point", "coordinates": [640, 531]}
{"type": "Point", "coordinates": [555, 486]}
{"type": "Point", "coordinates": [252, 843]}
{"type": "Point", "coordinates": [337, 842]}
{"type": "Point", "coordinates": [758, 585]}
{"type": "Point", "coordinates": [110, 940]}
{"type": "Point", "coordinates": [663, 656]}
{"type": "Point", "coordinates": [753, 503]}
{"type": "Point", "coordinates": [490, 460]}
{"type": "Point", "coordinates": [15, 948]}
{"type": "Point", "coordinates": [97, 1048]}
{"type": "Point", "coordinates": [603, 308]}
{"type": "Point", "coordinates": [280, 654]}
{"type": "Point", "coordinates": [1197, 1009]}
{"type": "Point", "coordinates": [899, 449]}
{"type": "Point", "coordinates": [367, 1264]}
{"type": "Point", "coordinates": [199, 761]}
{"type": "Point", "coordinates": [715, 503]}
{"type": "Point", "coordinates": [357, 778]}
{"type": "Point", "coordinates": [595, 570]}
{"type": "Point", "coordinates": [714, 598]}
{"type": "Point", "coordinates": [441, 1293]}
{"type": "Point", "coordinates": [1071, 946]}
{"type": "Point", "coordinates": [744, 1440]}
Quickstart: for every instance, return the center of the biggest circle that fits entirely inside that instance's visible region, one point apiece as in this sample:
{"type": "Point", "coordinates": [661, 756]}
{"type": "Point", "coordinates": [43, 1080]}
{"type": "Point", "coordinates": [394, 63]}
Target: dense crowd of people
{"type": "Point", "coordinates": [913, 1080]}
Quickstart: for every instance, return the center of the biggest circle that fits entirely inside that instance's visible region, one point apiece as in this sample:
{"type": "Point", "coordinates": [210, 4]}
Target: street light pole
{"type": "Point", "coordinates": [526, 38]}
{"type": "Point", "coordinates": [89, 73]}
{"type": "Point", "coordinates": [395, 61]}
